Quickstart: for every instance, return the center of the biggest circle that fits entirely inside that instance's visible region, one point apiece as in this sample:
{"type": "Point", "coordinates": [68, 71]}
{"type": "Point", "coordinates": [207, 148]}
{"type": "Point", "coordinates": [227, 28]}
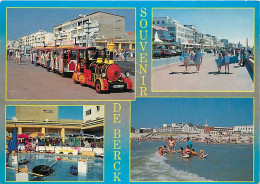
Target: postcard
{"type": "Point", "coordinates": [129, 91]}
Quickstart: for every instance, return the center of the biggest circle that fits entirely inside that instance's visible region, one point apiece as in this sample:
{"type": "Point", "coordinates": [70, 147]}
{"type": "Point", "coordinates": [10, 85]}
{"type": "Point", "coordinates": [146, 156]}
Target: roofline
{"type": "Point", "coordinates": [89, 15]}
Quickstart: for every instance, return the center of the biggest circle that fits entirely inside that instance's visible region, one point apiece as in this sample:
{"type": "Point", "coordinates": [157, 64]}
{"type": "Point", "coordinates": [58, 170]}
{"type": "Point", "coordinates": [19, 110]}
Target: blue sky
{"type": "Point", "coordinates": [65, 112]}
{"type": "Point", "coordinates": [25, 21]}
{"type": "Point", "coordinates": [227, 112]}
{"type": "Point", "coordinates": [233, 24]}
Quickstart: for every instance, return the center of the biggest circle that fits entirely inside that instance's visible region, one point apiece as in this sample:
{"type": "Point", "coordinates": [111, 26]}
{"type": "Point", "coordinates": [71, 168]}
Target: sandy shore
{"type": "Point", "coordinates": [217, 139]}
{"type": "Point", "coordinates": [173, 78]}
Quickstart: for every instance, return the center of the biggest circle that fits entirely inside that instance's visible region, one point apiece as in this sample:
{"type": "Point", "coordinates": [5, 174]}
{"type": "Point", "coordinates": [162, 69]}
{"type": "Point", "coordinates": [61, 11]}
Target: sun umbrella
{"type": "Point", "coordinates": [36, 134]}
{"type": "Point", "coordinates": [22, 136]}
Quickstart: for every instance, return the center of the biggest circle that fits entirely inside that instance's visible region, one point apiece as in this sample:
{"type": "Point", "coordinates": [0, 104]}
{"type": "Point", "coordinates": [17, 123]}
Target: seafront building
{"type": "Point", "coordinates": [45, 119]}
{"type": "Point", "coordinates": [183, 36]}
{"type": "Point", "coordinates": [198, 129]}
{"type": "Point", "coordinates": [96, 29]}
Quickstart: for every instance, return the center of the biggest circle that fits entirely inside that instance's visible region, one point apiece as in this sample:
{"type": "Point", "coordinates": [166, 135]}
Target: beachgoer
{"type": "Point", "coordinates": [187, 151]}
{"type": "Point", "coordinates": [171, 145]}
{"type": "Point", "coordinates": [189, 143]}
{"type": "Point", "coordinates": [19, 57]}
{"type": "Point", "coordinates": [165, 149]}
{"type": "Point", "coordinates": [198, 60]}
{"type": "Point", "coordinates": [219, 62]}
{"type": "Point", "coordinates": [48, 58]}
{"type": "Point", "coordinates": [160, 151]}
{"type": "Point", "coordinates": [180, 150]}
{"type": "Point", "coordinates": [227, 60]}
{"type": "Point", "coordinates": [202, 153]}
{"type": "Point", "coordinates": [125, 58]}
{"type": "Point", "coordinates": [186, 57]}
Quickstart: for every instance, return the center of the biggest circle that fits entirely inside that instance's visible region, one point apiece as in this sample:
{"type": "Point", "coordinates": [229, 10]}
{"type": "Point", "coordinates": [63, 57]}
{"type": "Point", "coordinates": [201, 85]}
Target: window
{"type": "Point", "coordinates": [158, 22]}
{"type": "Point", "coordinates": [98, 108]}
{"type": "Point", "coordinates": [88, 112]}
{"type": "Point", "coordinates": [153, 22]}
{"type": "Point", "coordinates": [162, 22]}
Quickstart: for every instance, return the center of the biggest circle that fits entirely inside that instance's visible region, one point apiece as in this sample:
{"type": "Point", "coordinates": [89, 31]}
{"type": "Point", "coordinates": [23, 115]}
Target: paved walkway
{"type": "Point", "coordinates": [171, 77]}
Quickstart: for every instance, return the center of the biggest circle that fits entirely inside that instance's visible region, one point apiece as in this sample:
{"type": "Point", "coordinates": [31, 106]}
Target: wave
{"type": "Point", "coordinates": [155, 168]}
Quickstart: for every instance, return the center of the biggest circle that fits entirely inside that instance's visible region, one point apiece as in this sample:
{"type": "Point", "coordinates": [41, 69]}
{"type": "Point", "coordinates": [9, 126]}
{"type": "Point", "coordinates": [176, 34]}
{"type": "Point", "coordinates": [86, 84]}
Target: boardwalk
{"type": "Point", "coordinates": [171, 77]}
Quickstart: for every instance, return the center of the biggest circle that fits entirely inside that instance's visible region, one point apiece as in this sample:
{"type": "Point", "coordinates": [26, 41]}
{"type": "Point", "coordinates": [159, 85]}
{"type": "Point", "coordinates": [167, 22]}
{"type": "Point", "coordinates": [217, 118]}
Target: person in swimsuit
{"type": "Point", "coordinates": [171, 145]}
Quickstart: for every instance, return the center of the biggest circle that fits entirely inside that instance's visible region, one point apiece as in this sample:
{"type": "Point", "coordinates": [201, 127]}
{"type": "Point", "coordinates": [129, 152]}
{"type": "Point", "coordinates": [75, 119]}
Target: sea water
{"type": "Point", "coordinates": [61, 169]}
{"type": "Point", "coordinates": [224, 163]}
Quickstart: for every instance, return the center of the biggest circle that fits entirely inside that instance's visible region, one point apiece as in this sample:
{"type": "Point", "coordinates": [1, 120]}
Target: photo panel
{"type": "Point", "coordinates": [202, 50]}
{"type": "Point", "coordinates": [192, 139]}
{"type": "Point", "coordinates": [54, 143]}
{"type": "Point", "coordinates": [70, 53]}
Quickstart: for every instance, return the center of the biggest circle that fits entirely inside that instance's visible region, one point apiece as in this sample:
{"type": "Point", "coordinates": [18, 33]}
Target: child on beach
{"type": "Point", "coordinates": [219, 62]}
{"type": "Point", "coordinates": [202, 154]}
{"type": "Point", "coordinates": [227, 59]}
{"type": "Point", "coordinates": [187, 151]}
{"type": "Point", "coordinates": [165, 149]}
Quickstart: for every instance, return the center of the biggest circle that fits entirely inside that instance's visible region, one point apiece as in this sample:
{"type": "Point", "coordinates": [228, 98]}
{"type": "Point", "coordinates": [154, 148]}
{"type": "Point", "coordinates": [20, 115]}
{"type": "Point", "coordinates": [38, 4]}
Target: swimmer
{"type": "Point", "coordinates": [165, 150]}
{"type": "Point", "coordinates": [187, 151]}
{"type": "Point", "coordinates": [202, 155]}
{"type": "Point", "coordinates": [160, 151]}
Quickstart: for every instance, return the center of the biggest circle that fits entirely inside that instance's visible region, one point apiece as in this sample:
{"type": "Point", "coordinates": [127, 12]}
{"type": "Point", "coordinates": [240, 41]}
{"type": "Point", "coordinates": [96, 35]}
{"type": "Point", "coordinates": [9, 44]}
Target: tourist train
{"type": "Point", "coordinates": [90, 66]}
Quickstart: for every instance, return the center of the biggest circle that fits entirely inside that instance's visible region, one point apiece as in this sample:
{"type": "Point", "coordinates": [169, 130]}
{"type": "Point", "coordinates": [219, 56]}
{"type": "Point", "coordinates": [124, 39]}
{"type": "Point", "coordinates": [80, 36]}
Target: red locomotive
{"type": "Point", "coordinates": [99, 72]}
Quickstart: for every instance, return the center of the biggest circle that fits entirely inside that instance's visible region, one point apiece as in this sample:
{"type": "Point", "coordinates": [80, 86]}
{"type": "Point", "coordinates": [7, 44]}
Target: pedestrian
{"type": "Point", "coordinates": [227, 60]}
{"type": "Point", "coordinates": [125, 59]}
{"type": "Point", "coordinates": [8, 54]}
{"type": "Point", "coordinates": [219, 62]}
{"type": "Point", "coordinates": [121, 56]}
{"type": "Point", "coordinates": [186, 57]}
{"type": "Point", "coordinates": [16, 56]}
{"type": "Point", "coordinates": [48, 58]}
{"type": "Point", "coordinates": [241, 57]}
{"type": "Point", "coordinates": [198, 60]}
{"type": "Point", "coordinates": [19, 57]}
{"type": "Point", "coordinates": [36, 58]}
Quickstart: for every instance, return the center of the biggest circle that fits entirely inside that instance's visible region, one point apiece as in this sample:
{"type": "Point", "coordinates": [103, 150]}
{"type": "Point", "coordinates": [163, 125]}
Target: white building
{"type": "Point", "coordinates": [93, 116]}
{"type": "Point", "coordinates": [86, 28]}
{"type": "Point", "coordinates": [38, 39]}
{"type": "Point", "coordinates": [244, 129]}
{"type": "Point", "coordinates": [180, 33]}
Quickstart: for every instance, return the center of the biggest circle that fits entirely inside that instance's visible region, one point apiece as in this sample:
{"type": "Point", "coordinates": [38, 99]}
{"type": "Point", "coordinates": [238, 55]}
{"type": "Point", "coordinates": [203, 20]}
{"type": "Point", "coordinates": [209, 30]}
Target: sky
{"type": "Point", "coordinates": [232, 24]}
{"type": "Point", "coordinates": [220, 112]}
{"type": "Point", "coordinates": [25, 21]}
{"type": "Point", "coordinates": [65, 112]}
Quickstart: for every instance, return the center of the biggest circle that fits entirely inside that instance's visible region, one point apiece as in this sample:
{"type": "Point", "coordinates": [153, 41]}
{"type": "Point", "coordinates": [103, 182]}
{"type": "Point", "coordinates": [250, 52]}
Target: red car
{"type": "Point", "coordinates": [166, 53]}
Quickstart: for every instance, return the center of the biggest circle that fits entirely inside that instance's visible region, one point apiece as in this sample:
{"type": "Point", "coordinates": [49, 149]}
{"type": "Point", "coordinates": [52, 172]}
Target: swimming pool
{"type": "Point", "coordinates": [61, 169]}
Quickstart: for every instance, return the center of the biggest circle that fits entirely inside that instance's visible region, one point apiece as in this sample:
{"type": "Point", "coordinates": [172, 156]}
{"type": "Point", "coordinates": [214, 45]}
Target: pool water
{"type": "Point", "coordinates": [61, 169]}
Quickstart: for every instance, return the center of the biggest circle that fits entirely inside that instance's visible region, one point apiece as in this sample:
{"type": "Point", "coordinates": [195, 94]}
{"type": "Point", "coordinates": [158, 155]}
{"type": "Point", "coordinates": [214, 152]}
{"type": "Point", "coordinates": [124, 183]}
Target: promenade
{"type": "Point", "coordinates": [171, 77]}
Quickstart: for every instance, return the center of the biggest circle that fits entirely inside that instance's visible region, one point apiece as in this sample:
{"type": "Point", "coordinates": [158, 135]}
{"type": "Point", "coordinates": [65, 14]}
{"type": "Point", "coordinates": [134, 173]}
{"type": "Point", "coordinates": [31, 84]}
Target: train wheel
{"type": "Point", "coordinates": [98, 87]}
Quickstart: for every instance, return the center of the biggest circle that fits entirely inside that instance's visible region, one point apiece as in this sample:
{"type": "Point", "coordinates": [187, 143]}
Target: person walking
{"type": "Point", "coordinates": [48, 58]}
{"type": "Point", "coordinates": [186, 57]}
{"type": "Point", "coordinates": [19, 57]}
{"type": "Point", "coordinates": [227, 60]}
{"type": "Point", "coordinates": [125, 59]}
{"type": "Point", "coordinates": [198, 59]}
